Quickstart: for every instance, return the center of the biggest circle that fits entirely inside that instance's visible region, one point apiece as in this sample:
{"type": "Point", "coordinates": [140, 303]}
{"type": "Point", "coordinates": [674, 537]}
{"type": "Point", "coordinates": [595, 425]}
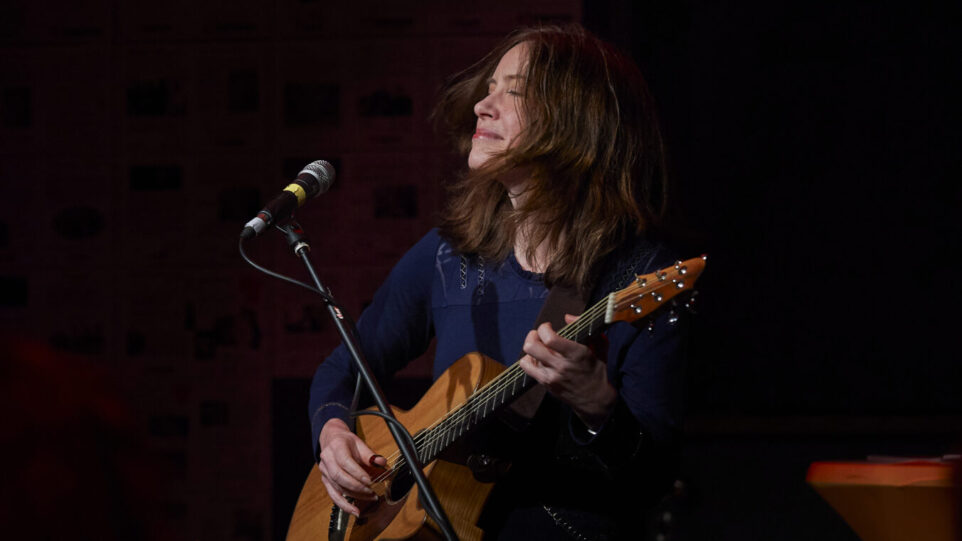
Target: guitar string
{"type": "Point", "coordinates": [435, 432]}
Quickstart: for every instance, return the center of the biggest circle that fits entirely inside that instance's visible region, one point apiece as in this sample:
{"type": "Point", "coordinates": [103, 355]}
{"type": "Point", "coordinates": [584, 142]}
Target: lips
{"type": "Point", "coordinates": [485, 134]}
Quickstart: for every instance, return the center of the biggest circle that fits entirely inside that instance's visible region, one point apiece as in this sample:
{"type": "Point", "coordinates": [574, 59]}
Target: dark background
{"type": "Point", "coordinates": [814, 153]}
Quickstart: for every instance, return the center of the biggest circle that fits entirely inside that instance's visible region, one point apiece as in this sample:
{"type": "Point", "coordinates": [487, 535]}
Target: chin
{"type": "Point", "coordinates": [476, 160]}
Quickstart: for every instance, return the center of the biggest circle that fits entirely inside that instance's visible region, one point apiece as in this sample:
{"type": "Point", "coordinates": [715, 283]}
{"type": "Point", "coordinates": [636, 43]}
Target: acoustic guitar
{"type": "Point", "coordinates": [466, 394]}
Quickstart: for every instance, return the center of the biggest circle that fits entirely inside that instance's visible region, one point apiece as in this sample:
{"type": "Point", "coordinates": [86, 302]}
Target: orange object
{"type": "Point", "coordinates": [914, 500]}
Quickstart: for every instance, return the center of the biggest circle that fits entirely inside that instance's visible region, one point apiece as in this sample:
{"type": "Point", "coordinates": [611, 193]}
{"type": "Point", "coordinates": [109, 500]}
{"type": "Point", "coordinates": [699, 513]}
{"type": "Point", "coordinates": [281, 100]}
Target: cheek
{"type": "Point", "coordinates": [515, 123]}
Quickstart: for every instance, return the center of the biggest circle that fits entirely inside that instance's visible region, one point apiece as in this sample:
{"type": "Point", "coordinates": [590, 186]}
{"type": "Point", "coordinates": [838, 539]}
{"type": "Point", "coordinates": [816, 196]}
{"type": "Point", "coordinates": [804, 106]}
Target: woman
{"type": "Point", "coordinates": [564, 187]}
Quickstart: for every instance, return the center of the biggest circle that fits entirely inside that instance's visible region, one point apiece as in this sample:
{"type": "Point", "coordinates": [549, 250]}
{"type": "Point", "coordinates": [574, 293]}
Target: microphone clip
{"type": "Point", "coordinates": [296, 238]}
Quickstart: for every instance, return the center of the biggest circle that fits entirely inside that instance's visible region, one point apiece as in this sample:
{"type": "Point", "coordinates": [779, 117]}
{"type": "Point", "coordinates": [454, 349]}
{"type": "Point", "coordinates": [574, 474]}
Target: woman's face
{"type": "Point", "coordinates": [499, 113]}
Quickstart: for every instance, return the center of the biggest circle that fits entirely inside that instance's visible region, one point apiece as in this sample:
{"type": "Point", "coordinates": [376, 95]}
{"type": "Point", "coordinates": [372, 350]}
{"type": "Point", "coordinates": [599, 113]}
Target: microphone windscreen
{"type": "Point", "coordinates": [323, 172]}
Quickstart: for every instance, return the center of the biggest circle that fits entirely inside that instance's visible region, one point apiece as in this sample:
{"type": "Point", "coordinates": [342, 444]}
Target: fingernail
{"type": "Point", "coordinates": [374, 459]}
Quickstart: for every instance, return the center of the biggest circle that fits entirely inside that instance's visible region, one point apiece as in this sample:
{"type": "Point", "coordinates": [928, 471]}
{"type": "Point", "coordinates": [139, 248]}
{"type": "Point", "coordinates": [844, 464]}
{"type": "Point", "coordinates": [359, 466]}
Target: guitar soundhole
{"type": "Point", "coordinates": [401, 484]}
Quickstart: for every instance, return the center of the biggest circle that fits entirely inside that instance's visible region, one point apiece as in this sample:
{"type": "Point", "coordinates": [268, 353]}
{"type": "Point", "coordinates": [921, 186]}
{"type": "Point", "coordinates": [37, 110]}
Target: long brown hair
{"type": "Point", "coordinates": [591, 144]}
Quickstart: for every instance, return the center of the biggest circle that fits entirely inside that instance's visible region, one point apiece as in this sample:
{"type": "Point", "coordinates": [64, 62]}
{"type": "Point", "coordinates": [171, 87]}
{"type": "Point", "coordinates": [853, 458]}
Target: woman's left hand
{"type": "Point", "coordinates": [570, 371]}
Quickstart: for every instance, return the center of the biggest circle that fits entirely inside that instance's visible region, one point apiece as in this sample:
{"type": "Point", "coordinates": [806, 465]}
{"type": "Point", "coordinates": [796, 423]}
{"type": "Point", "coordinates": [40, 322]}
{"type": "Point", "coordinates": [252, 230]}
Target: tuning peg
{"type": "Point", "coordinates": [651, 327]}
{"type": "Point", "coordinates": [690, 302]}
{"type": "Point", "coordinates": [672, 317]}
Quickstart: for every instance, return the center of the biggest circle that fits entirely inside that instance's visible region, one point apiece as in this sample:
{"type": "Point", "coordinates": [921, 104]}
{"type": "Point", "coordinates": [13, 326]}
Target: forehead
{"type": "Point", "coordinates": [512, 62]}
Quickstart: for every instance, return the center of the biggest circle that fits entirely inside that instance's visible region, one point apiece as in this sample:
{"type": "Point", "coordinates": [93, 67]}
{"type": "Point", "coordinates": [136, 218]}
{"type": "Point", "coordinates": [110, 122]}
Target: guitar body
{"type": "Point", "coordinates": [459, 493]}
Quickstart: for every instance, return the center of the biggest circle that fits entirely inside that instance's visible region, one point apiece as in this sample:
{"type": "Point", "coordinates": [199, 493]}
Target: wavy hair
{"type": "Point", "coordinates": [591, 147]}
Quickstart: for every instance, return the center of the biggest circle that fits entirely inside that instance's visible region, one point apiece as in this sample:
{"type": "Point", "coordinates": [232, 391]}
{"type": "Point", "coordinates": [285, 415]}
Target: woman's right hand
{"type": "Point", "coordinates": [346, 465]}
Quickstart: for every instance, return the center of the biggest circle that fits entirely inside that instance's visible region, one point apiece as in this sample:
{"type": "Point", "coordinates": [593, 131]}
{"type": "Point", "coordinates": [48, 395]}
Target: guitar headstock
{"type": "Point", "coordinates": [650, 292]}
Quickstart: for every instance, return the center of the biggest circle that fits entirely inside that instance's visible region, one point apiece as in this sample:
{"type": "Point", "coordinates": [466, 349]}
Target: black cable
{"type": "Point", "coordinates": [269, 272]}
{"type": "Point", "coordinates": [395, 422]}
{"type": "Point", "coordinates": [327, 298]}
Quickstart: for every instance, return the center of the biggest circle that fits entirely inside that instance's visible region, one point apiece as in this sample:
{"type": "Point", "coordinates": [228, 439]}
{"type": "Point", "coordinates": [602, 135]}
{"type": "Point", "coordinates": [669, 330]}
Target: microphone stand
{"type": "Point", "coordinates": [299, 244]}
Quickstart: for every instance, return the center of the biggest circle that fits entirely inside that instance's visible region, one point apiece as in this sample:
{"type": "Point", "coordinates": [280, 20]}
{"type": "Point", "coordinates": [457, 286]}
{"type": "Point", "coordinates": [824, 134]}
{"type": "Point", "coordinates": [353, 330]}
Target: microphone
{"type": "Point", "coordinates": [312, 181]}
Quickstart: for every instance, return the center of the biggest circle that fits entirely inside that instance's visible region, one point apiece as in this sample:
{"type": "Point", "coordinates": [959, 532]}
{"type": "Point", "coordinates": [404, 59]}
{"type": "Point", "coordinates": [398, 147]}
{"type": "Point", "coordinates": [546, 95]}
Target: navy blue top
{"type": "Point", "coordinates": [468, 304]}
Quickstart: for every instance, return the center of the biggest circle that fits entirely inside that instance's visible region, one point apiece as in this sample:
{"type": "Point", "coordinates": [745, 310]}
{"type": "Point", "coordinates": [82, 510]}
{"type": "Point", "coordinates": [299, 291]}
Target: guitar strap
{"type": "Point", "coordinates": [560, 301]}
{"type": "Point", "coordinates": [520, 414]}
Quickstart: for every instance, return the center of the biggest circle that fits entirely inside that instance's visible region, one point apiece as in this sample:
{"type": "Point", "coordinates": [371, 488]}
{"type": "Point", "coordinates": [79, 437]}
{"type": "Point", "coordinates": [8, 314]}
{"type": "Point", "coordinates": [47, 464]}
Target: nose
{"type": "Point", "coordinates": [486, 107]}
